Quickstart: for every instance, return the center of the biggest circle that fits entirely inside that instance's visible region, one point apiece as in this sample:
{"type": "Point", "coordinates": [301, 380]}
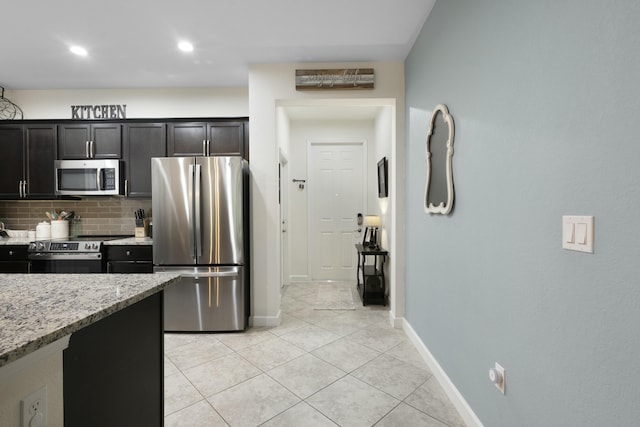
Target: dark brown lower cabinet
{"type": "Point", "coordinates": [113, 369]}
{"type": "Point", "coordinates": [13, 259]}
{"type": "Point", "coordinates": [130, 259]}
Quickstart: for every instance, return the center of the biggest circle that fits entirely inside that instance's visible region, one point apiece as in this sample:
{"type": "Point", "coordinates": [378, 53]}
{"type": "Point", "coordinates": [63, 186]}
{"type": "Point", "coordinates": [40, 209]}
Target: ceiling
{"type": "Point", "coordinates": [133, 43]}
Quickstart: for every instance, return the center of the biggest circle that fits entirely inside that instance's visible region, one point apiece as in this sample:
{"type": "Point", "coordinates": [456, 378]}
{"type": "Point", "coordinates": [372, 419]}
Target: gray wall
{"type": "Point", "coordinates": [546, 101]}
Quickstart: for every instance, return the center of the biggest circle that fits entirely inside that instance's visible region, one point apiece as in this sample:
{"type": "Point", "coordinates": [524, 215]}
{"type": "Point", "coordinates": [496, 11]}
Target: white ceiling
{"type": "Point", "coordinates": [133, 43]}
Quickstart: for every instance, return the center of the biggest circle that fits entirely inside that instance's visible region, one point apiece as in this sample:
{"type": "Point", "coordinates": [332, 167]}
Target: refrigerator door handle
{"type": "Point", "coordinates": [212, 274]}
{"type": "Point", "coordinates": [196, 272]}
{"type": "Point", "coordinates": [197, 210]}
{"type": "Point", "coordinates": [190, 184]}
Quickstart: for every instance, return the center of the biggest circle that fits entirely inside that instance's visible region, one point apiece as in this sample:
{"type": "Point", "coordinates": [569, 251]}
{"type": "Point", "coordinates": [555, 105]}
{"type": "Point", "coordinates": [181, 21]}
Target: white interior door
{"type": "Point", "coordinates": [337, 185]}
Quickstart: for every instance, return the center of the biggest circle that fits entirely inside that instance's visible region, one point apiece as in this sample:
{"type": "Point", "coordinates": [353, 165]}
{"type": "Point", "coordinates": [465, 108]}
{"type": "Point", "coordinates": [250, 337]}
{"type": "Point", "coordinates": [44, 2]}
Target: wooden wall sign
{"type": "Point", "coordinates": [345, 78]}
{"type": "Point", "coordinates": [98, 112]}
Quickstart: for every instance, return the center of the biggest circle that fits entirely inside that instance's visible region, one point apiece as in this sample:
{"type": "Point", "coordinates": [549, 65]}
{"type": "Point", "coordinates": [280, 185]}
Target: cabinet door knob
{"type": "Point", "coordinates": [128, 253]}
{"type": "Point", "coordinates": [10, 253]}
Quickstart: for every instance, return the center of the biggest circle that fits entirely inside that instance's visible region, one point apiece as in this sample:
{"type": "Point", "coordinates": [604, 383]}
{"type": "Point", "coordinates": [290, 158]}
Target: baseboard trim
{"type": "Point", "coordinates": [467, 414]}
{"type": "Point", "coordinates": [265, 321]}
{"type": "Point", "coordinates": [396, 322]}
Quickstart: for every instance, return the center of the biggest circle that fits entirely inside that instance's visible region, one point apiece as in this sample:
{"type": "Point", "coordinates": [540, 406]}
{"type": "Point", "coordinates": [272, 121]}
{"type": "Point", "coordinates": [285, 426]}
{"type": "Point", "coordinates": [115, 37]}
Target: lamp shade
{"type": "Point", "coordinates": [371, 221]}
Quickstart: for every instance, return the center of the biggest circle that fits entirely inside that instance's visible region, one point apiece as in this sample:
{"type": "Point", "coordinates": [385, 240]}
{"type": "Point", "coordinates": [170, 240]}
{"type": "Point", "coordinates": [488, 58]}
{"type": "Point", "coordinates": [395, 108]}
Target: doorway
{"type": "Point", "coordinates": [283, 201]}
{"type": "Point", "coordinates": [337, 193]}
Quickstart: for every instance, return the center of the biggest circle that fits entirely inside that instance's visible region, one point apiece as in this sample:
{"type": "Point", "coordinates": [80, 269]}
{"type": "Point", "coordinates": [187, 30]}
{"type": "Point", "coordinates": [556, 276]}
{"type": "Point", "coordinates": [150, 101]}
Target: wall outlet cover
{"type": "Point", "coordinates": [34, 408]}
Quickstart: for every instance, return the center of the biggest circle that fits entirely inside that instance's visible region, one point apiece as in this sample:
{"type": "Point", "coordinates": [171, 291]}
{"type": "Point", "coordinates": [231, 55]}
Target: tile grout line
{"type": "Point", "coordinates": [369, 320]}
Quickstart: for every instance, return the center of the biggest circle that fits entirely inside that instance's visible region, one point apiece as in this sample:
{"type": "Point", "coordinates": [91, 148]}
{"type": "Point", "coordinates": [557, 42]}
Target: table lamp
{"type": "Point", "coordinates": [371, 223]}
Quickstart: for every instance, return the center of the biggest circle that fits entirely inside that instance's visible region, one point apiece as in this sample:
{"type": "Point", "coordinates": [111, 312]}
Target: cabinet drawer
{"type": "Point", "coordinates": [13, 252]}
{"type": "Point", "coordinates": [14, 266]}
{"type": "Point", "coordinates": [130, 253]}
{"type": "Point", "coordinates": [129, 267]}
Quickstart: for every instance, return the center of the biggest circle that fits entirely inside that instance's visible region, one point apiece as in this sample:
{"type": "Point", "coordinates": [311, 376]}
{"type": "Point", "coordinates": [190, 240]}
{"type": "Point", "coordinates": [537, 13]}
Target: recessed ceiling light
{"type": "Point", "coordinates": [80, 51]}
{"type": "Point", "coordinates": [185, 46]}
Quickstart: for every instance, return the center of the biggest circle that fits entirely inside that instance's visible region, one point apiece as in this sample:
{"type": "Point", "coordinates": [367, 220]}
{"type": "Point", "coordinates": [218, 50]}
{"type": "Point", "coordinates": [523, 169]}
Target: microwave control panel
{"type": "Point", "coordinates": [109, 179]}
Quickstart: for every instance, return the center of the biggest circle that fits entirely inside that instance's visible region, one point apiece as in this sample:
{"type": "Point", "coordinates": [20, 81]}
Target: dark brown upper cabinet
{"type": "Point", "coordinates": [90, 141]}
{"type": "Point", "coordinates": [142, 141]}
{"type": "Point", "coordinates": [29, 152]}
{"type": "Point", "coordinates": [220, 138]}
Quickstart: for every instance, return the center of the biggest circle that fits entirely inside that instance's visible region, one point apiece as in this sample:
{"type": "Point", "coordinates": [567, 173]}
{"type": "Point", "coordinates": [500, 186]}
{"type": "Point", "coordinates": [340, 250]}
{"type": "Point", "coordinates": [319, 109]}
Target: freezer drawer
{"type": "Point", "coordinates": [205, 299]}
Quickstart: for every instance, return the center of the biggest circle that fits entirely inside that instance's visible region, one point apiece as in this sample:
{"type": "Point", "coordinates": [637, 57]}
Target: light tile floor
{"type": "Point", "coordinates": [318, 368]}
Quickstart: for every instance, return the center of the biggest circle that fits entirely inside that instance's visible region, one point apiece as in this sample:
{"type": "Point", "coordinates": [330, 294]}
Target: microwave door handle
{"type": "Point", "coordinates": [197, 210]}
{"type": "Point", "coordinates": [99, 178]}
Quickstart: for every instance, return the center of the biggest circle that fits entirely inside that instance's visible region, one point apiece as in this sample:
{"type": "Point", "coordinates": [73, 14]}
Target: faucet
{"type": "Point", "coordinates": [1, 225]}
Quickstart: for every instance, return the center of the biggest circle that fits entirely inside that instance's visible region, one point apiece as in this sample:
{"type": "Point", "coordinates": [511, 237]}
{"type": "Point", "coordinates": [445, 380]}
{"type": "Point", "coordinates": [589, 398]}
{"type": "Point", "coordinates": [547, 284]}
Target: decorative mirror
{"type": "Point", "coordinates": [438, 191]}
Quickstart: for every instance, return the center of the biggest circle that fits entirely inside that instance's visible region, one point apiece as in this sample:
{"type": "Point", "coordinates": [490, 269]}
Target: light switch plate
{"type": "Point", "coordinates": [581, 229]}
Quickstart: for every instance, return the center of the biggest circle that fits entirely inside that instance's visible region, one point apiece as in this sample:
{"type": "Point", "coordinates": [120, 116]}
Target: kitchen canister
{"type": "Point", "coordinates": [60, 229]}
{"type": "Point", "coordinates": [43, 230]}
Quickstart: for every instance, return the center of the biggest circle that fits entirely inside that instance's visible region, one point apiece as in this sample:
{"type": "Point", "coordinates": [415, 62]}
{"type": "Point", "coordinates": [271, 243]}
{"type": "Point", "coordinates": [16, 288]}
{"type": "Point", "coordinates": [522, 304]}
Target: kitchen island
{"type": "Point", "coordinates": [112, 324]}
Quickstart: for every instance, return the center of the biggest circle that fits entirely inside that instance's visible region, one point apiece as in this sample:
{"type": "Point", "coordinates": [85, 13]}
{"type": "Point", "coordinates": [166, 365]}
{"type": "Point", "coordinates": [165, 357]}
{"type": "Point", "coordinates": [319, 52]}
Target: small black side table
{"type": "Point", "coordinates": [372, 286]}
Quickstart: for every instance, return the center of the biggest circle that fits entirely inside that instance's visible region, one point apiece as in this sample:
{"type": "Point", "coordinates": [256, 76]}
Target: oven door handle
{"type": "Point", "coordinates": [61, 257]}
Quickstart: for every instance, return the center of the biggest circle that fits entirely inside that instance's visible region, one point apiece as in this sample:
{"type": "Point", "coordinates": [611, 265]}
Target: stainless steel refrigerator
{"type": "Point", "coordinates": [200, 217]}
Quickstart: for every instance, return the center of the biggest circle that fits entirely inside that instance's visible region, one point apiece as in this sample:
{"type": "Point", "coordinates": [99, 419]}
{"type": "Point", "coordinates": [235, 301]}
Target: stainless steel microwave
{"type": "Point", "coordinates": [95, 177]}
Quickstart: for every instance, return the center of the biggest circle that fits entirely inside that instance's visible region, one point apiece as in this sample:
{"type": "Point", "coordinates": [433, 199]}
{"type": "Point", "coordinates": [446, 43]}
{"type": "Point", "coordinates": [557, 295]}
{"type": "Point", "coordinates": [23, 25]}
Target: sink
{"type": "Point", "coordinates": [21, 234]}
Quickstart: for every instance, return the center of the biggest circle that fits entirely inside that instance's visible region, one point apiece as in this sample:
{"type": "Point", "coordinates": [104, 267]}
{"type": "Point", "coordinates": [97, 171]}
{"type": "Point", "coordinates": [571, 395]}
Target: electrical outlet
{"type": "Point", "coordinates": [34, 409]}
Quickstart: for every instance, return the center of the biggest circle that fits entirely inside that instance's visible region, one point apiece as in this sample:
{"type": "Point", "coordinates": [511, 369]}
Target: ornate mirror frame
{"type": "Point", "coordinates": [441, 208]}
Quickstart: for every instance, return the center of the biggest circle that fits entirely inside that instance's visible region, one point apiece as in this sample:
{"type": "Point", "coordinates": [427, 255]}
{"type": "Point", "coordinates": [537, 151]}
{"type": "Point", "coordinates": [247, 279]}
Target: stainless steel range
{"type": "Point", "coordinates": [76, 255]}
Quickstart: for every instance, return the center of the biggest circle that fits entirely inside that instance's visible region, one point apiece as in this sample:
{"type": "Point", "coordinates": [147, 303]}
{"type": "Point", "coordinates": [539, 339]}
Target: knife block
{"type": "Point", "coordinates": [143, 230]}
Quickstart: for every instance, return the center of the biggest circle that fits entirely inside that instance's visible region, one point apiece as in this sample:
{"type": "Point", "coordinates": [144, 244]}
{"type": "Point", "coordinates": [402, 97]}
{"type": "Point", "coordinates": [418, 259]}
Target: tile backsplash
{"type": "Point", "coordinates": [94, 215]}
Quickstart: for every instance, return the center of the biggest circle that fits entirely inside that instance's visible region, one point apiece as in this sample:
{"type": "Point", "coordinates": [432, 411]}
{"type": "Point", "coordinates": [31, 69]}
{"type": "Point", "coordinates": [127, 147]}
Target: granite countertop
{"type": "Point", "coordinates": [124, 241]}
{"type": "Point", "coordinates": [38, 309]}
{"type": "Point", "coordinates": [15, 241]}
{"type": "Point", "coordinates": [130, 241]}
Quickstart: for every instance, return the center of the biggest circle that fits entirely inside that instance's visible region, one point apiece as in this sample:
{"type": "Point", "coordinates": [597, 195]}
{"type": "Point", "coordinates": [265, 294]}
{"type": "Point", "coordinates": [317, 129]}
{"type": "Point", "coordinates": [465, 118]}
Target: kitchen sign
{"type": "Point", "coordinates": [333, 79]}
{"type": "Point", "coordinates": [98, 112]}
